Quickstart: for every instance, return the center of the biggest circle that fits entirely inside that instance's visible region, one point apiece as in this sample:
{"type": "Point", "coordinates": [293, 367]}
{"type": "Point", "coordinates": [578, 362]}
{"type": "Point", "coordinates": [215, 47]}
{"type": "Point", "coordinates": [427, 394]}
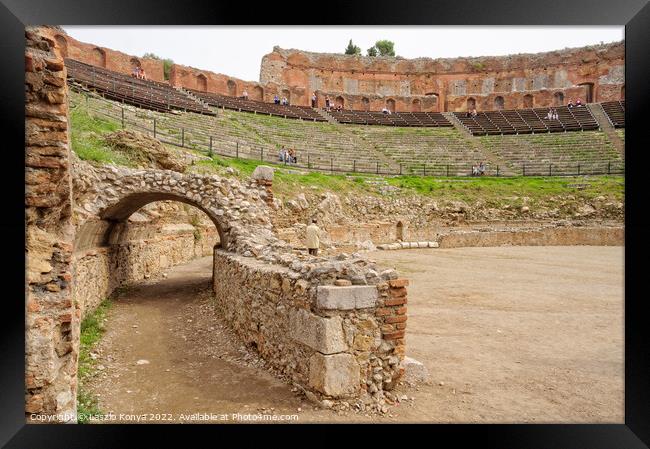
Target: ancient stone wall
{"type": "Point", "coordinates": [508, 82]}
{"type": "Point", "coordinates": [98, 271]}
{"type": "Point", "coordinates": [335, 341]}
{"type": "Point", "coordinates": [69, 47]}
{"type": "Point", "coordinates": [52, 318]}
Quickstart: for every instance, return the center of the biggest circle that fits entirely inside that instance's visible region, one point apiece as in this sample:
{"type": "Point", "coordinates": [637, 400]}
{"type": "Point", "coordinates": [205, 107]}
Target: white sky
{"type": "Point", "coordinates": [237, 50]}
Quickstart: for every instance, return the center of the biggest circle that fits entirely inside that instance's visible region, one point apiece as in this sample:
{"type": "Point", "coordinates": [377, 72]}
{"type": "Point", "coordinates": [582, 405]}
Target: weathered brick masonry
{"type": "Point", "coordinates": [52, 317]}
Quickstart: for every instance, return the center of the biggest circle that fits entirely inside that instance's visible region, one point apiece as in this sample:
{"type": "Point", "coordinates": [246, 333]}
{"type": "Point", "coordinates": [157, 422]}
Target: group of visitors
{"type": "Point", "coordinates": [471, 113]}
{"type": "Point", "coordinates": [139, 73]}
{"type": "Point", "coordinates": [282, 101]}
{"type": "Point", "coordinates": [288, 156]}
{"type": "Point", "coordinates": [552, 114]}
{"type": "Point", "coordinates": [577, 104]}
{"type": "Point", "coordinates": [479, 170]}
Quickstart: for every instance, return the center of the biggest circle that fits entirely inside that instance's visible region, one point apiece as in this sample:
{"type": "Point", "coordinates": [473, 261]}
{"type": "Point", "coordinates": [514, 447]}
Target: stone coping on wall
{"type": "Point", "coordinates": [536, 236]}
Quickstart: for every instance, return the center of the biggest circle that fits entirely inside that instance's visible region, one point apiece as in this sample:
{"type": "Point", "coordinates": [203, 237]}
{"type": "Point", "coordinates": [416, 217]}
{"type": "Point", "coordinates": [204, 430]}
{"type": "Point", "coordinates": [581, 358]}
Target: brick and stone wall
{"type": "Point", "coordinates": [334, 339]}
{"type": "Point", "coordinates": [69, 47]}
{"type": "Point", "coordinates": [99, 270]}
{"type": "Point", "coordinates": [447, 84]}
{"type": "Point", "coordinates": [52, 317]}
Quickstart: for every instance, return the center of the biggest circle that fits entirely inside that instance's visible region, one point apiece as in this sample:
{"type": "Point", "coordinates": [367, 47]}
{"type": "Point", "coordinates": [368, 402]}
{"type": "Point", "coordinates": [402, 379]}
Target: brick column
{"type": "Point", "coordinates": [52, 319]}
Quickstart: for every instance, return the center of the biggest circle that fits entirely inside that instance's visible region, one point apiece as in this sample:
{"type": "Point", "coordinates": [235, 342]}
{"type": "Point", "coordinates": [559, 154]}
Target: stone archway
{"type": "Point", "coordinates": [258, 93]}
{"type": "Point", "coordinates": [339, 101]}
{"type": "Point", "coordinates": [98, 57]}
{"type": "Point", "coordinates": [558, 99]}
{"type": "Point", "coordinates": [232, 88]}
{"type": "Point", "coordinates": [365, 102]}
{"type": "Point", "coordinates": [201, 82]}
{"type": "Point", "coordinates": [528, 101]}
{"type": "Point", "coordinates": [390, 105]}
{"type": "Point", "coordinates": [471, 103]}
{"type": "Point", "coordinates": [416, 106]}
{"type": "Point", "coordinates": [498, 103]}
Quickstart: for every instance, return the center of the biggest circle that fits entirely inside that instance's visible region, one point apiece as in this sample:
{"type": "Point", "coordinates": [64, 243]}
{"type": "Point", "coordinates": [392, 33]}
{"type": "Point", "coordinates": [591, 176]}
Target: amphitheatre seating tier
{"type": "Point", "coordinates": [130, 90]}
{"type": "Point", "coordinates": [443, 150]}
{"type": "Point", "coordinates": [615, 112]}
{"type": "Point", "coordinates": [349, 148]}
{"type": "Point", "coordinates": [419, 119]}
{"type": "Point", "coordinates": [542, 154]}
{"type": "Point", "coordinates": [259, 107]}
{"type": "Point", "coordinates": [528, 121]}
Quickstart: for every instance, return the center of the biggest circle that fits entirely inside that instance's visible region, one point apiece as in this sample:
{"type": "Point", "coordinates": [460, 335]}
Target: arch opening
{"type": "Point", "coordinates": [588, 92]}
{"type": "Point", "coordinates": [339, 101]}
{"type": "Point", "coordinates": [98, 57]}
{"type": "Point", "coordinates": [416, 106]}
{"type": "Point", "coordinates": [232, 88]}
{"type": "Point", "coordinates": [471, 103]}
{"type": "Point", "coordinates": [528, 101]}
{"type": "Point", "coordinates": [365, 102]}
{"type": "Point", "coordinates": [202, 82]}
{"type": "Point", "coordinates": [498, 103]}
{"type": "Point", "coordinates": [258, 93]}
{"type": "Point", "coordinates": [390, 105]}
{"type": "Point", "coordinates": [558, 99]}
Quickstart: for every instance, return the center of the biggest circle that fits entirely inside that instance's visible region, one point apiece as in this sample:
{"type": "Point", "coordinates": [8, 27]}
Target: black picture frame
{"type": "Point", "coordinates": [634, 14]}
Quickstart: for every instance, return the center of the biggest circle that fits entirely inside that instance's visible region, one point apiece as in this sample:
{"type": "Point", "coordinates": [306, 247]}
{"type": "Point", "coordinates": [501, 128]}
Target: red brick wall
{"type": "Point", "coordinates": [104, 57]}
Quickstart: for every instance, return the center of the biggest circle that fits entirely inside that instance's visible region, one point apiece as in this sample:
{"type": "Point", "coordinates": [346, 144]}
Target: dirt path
{"type": "Point", "coordinates": [541, 344]}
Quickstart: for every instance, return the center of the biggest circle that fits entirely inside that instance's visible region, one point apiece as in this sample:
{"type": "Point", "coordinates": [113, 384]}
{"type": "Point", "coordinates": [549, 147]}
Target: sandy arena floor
{"type": "Point", "coordinates": [513, 334]}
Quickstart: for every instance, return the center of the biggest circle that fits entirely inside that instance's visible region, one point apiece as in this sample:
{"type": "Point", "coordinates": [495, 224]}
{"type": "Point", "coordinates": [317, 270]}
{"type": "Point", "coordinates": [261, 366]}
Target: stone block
{"type": "Point", "coordinates": [263, 173]}
{"type": "Point", "coordinates": [423, 244]}
{"type": "Point", "coordinates": [347, 297]}
{"type": "Point", "coordinates": [322, 334]}
{"type": "Point", "coordinates": [434, 244]}
{"type": "Point", "coordinates": [414, 371]}
{"type": "Point", "coordinates": [334, 375]}
{"type": "Point", "coordinates": [405, 245]}
{"type": "Point", "coordinates": [413, 245]}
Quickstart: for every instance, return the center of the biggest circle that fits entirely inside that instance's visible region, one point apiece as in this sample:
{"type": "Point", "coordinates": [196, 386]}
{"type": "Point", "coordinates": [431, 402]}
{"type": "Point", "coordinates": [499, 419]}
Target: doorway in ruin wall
{"type": "Point", "coordinates": [98, 57]}
{"type": "Point", "coordinates": [258, 93]}
{"type": "Point", "coordinates": [390, 105]}
{"type": "Point", "coordinates": [589, 92]}
{"type": "Point", "coordinates": [202, 82]}
{"type": "Point", "coordinates": [232, 88]}
{"type": "Point", "coordinates": [416, 106]}
{"type": "Point", "coordinates": [528, 101]}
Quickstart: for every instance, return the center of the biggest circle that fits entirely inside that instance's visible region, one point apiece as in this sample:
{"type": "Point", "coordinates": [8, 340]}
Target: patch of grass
{"type": "Point", "coordinates": [92, 329]}
{"type": "Point", "coordinates": [86, 132]}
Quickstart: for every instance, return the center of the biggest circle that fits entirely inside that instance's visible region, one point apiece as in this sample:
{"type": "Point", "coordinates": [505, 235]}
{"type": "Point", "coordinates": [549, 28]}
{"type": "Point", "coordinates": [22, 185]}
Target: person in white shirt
{"type": "Point", "coordinates": [312, 238]}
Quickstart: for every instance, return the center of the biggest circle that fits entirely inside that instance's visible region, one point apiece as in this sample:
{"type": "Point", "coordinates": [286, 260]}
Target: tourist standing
{"type": "Point", "coordinates": [313, 100]}
{"type": "Point", "coordinates": [313, 241]}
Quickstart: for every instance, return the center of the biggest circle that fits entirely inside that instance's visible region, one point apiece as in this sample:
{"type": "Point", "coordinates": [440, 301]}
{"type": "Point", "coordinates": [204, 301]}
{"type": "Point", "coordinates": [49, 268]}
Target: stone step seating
{"type": "Point", "coordinates": [418, 119]}
{"type": "Point", "coordinates": [259, 107]}
{"type": "Point", "coordinates": [330, 147]}
{"type": "Point", "coordinates": [436, 147]}
{"type": "Point", "coordinates": [407, 245]}
{"type": "Point", "coordinates": [253, 136]}
{"type": "Point", "coordinates": [615, 112]}
{"type": "Point", "coordinates": [130, 90]}
{"type": "Point", "coordinates": [528, 121]}
{"type": "Point", "coordinates": [591, 149]}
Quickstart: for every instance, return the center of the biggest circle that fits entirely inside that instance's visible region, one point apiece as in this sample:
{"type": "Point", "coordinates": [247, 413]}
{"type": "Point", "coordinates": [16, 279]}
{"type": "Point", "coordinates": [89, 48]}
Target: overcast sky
{"type": "Point", "coordinates": [237, 51]}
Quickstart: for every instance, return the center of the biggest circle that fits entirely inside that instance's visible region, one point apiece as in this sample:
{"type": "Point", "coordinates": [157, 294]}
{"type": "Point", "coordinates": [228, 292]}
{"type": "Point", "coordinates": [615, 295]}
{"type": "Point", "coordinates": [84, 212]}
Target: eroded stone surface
{"type": "Point", "coordinates": [346, 297]}
{"type": "Point", "coordinates": [335, 375]}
